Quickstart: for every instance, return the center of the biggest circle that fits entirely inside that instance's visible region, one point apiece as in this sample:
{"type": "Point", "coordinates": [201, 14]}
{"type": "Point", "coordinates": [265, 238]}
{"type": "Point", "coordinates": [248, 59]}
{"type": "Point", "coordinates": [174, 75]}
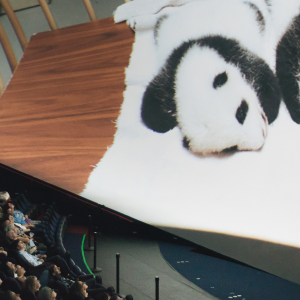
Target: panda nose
{"type": "Point", "coordinates": [230, 149]}
{"type": "Point", "coordinates": [241, 112]}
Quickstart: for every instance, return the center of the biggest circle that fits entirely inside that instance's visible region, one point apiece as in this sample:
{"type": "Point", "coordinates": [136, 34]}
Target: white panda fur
{"type": "Point", "coordinates": [207, 115]}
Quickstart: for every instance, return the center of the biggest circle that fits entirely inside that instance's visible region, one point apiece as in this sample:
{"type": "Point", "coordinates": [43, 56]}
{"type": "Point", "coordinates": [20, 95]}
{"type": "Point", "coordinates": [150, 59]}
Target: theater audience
{"type": "Point", "coordinates": [46, 272]}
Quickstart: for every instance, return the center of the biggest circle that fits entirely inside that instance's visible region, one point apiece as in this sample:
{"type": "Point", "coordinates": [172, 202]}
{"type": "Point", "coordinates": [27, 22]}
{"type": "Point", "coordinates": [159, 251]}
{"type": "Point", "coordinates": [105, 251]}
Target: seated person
{"type": "Point", "coordinates": [31, 286]}
{"type": "Point", "coordinates": [9, 295]}
{"type": "Point", "coordinates": [39, 262]}
{"type": "Point", "coordinates": [46, 294]}
{"type": "Point", "coordinates": [8, 268]}
{"type": "Point", "coordinates": [20, 273]}
{"type": "Point", "coordinates": [78, 287]}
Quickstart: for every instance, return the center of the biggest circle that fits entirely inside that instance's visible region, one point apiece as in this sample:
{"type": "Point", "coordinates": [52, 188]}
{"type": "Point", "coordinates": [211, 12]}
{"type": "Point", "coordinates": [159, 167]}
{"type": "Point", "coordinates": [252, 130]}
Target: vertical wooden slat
{"type": "Point", "coordinates": [15, 23]}
{"type": "Point", "coordinates": [1, 86]}
{"type": "Point", "coordinates": [8, 49]}
{"type": "Point", "coordinates": [90, 10]}
{"type": "Point", "coordinates": [48, 14]}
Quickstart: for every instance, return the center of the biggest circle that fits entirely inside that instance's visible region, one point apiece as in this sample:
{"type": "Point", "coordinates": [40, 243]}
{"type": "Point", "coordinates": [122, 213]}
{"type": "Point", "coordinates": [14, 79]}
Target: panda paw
{"type": "Point", "coordinates": [131, 23]}
{"type": "Point", "coordinates": [146, 22]}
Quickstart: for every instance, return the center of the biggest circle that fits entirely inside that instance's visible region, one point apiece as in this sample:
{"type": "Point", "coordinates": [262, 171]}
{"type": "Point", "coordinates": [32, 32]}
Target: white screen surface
{"type": "Point", "coordinates": [150, 176]}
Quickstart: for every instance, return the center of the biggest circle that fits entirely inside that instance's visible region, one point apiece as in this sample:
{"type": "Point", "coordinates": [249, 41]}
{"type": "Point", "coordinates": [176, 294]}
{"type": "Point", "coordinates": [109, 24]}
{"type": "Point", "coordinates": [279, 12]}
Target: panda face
{"type": "Point", "coordinates": [216, 108]}
{"type": "Point", "coordinates": [220, 95]}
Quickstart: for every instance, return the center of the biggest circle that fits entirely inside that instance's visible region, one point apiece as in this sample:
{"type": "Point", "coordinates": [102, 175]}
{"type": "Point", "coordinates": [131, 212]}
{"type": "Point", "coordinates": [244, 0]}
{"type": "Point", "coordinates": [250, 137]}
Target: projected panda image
{"type": "Point", "coordinates": [208, 136]}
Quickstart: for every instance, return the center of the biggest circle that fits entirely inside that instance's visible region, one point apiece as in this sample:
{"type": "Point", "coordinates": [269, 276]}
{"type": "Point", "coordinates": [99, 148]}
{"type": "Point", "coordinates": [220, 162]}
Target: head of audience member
{"type": "Point", "coordinates": [11, 234]}
{"type": "Point", "coordinates": [79, 287]}
{"type": "Point", "coordinates": [11, 206]}
{"type": "Point", "coordinates": [46, 294]}
{"type": "Point", "coordinates": [17, 245]}
{"type": "Point", "coordinates": [4, 196]}
{"type": "Point", "coordinates": [11, 219]}
{"type": "Point", "coordinates": [32, 284]}
{"type": "Point", "coordinates": [9, 295]}
{"type": "Point", "coordinates": [20, 271]}
{"type": "Point", "coordinates": [54, 270]}
{"type": "Point", "coordinates": [102, 296]}
{"type": "Point", "coordinates": [11, 227]}
{"type": "Point", "coordinates": [7, 209]}
{"type": "Point", "coordinates": [8, 269]}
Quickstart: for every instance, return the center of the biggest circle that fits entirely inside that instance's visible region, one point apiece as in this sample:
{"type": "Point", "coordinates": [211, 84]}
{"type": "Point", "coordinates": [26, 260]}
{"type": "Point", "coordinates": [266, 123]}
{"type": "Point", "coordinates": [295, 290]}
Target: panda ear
{"type": "Point", "coordinates": [288, 69]}
{"type": "Point", "coordinates": [158, 110]}
{"type": "Point", "coordinates": [269, 93]}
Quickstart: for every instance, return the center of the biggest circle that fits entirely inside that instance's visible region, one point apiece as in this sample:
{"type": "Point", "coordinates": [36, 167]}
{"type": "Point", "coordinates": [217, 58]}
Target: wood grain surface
{"type": "Point", "coordinates": [58, 113]}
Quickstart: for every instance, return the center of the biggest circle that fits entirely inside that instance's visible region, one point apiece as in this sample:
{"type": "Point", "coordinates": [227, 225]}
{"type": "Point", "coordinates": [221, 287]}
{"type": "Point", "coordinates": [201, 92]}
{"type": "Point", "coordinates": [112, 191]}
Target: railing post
{"type": "Point", "coordinates": [89, 248]}
{"type": "Point", "coordinates": [156, 288]}
{"type": "Point", "coordinates": [118, 272]}
{"type": "Point", "coordinates": [95, 269]}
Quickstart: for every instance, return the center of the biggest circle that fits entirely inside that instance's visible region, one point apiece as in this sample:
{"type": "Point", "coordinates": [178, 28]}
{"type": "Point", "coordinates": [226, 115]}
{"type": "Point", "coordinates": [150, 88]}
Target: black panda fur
{"type": "Point", "coordinates": [288, 68]}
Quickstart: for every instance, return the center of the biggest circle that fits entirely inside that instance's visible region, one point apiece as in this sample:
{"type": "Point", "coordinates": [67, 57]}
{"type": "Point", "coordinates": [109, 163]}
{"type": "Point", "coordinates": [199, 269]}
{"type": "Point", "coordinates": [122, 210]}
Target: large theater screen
{"type": "Point", "coordinates": [203, 135]}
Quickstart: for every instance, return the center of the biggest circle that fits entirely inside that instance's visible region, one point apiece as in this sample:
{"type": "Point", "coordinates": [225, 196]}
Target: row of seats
{"type": "Point", "coordinates": [54, 228]}
{"type": "Point", "coordinates": [21, 203]}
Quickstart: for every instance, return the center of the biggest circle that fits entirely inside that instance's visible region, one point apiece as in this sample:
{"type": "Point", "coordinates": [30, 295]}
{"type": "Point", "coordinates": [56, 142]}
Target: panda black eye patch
{"type": "Point", "coordinates": [220, 80]}
{"type": "Point", "coordinates": [241, 112]}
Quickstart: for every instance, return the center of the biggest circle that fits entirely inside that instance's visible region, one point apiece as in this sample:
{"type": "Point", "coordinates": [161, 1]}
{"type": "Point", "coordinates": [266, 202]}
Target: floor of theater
{"type": "Point", "coordinates": [184, 272]}
{"type": "Point", "coordinates": [140, 262]}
